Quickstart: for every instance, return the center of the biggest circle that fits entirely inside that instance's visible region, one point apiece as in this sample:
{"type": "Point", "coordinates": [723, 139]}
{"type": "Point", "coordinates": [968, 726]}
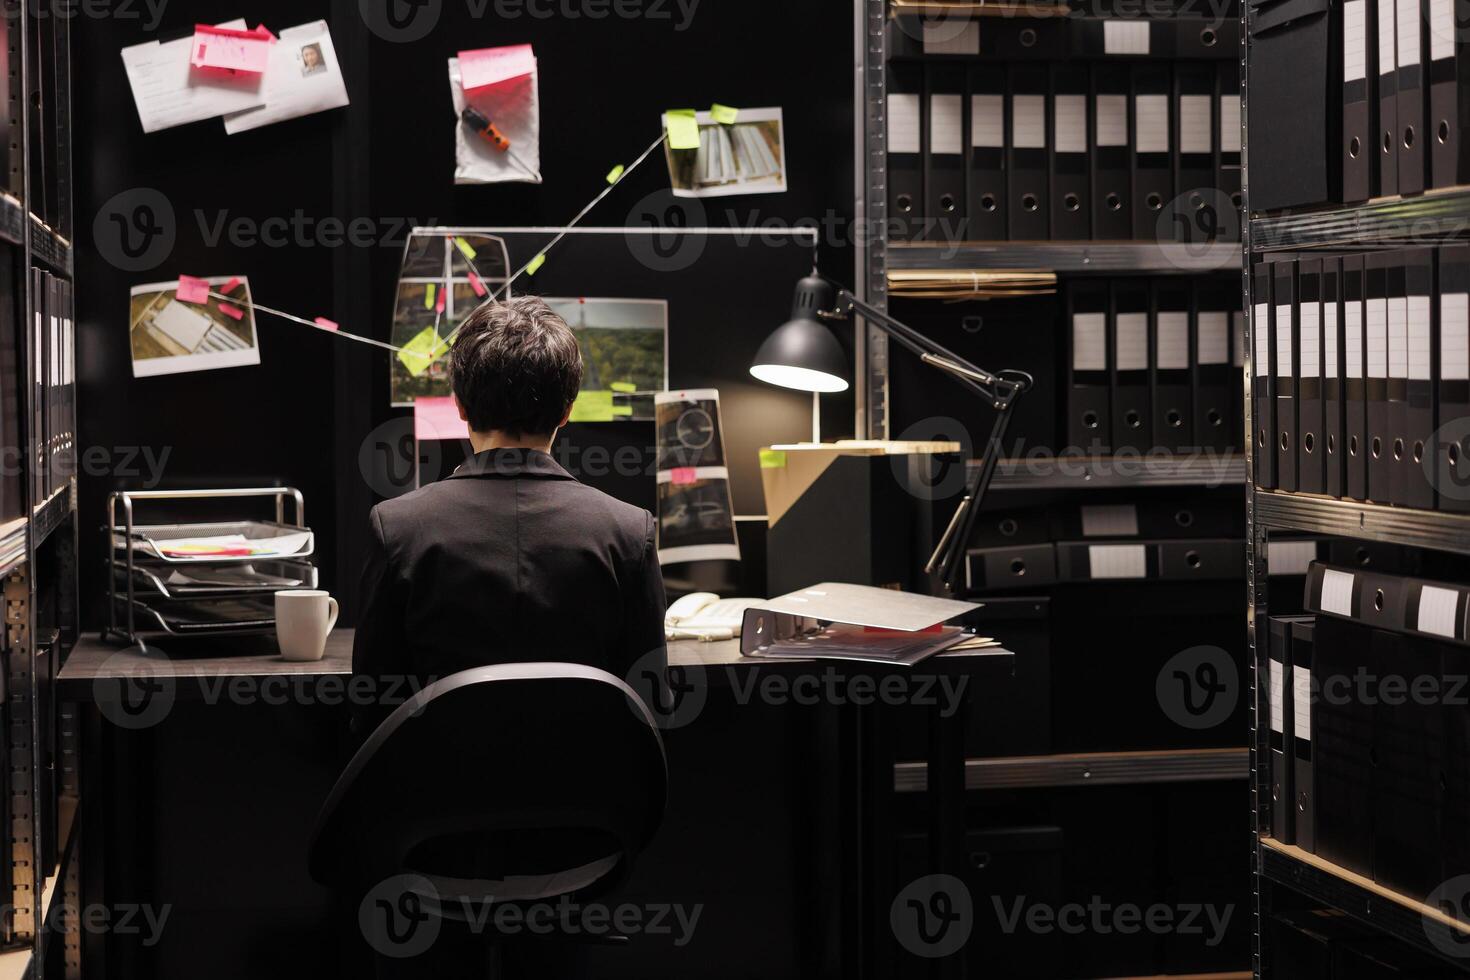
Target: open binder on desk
{"type": "Point", "coordinates": [839, 621]}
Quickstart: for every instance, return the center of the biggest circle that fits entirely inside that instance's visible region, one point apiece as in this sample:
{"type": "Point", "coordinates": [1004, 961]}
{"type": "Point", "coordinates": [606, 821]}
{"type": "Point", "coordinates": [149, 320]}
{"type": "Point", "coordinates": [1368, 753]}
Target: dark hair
{"type": "Point", "coordinates": [515, 367]}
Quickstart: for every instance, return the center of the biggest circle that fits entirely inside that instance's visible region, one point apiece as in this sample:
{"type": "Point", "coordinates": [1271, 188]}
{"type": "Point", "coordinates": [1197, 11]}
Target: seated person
{"type": "Point", "coordinates": [510, 558]}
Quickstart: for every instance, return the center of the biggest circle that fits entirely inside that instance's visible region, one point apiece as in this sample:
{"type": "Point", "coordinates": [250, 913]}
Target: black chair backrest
{"type": "Point", "coordinates": [493, 752]}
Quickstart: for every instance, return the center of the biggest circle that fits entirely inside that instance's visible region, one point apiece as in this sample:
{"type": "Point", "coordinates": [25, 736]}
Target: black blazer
{"type": "Point", "coordinates": [509, 559]}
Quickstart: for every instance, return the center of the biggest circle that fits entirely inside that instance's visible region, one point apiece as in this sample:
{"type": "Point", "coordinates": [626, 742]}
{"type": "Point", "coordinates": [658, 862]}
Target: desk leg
{"type": "Point", "coordinates": [869, 844]}
{"type": "Point", "coordinates": [946, 793]}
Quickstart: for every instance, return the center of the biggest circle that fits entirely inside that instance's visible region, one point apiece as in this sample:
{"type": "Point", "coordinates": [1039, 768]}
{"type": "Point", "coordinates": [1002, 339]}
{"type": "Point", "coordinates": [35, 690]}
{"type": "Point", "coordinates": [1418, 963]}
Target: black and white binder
{"type": "Point", "coordinates": [1263, 376]}
{"type": "Point", "coordinates": [1396, 446]}
{"type": "Point", "coordinates": [1228, 176]}
{"type": "Point", "coordinates": [1132, 418]}
{"type": "Point", "coordinates": [39, 433]}
{"type": "Point", "coordinates": [1029, 210]}
{"type": "Point", "coordinates": [1071, 178]}
{"type": "Point", "coordinates": [1412, 95]}
{"type": "Point", "coordinates": [1416, 460]}
{"type": "Point", "coordinates": [1112, 181]}
{"type": "Point", "coordinates": [988, 198]}
{"type": "Point", "coordinates": [1449, 154]}
{"type": "Point", "coordinates": [1452, 451]}
{"type": "Point", "coordinates": [1359, 154]}
{"type": "Point", "coordinates": [1375, 350]}
{"type": "Point", "coordinates": [905, 151]}
{"type": "Point", "coordinates": [1302, 636]}
{"type": "Point", "coordinates": [1173, 417]}
{"type": "Point", "coordinates": [1284, 337]}
{"type": "Point", "coordinates": [1279, 707]}
{"type": "Point", "coordinates": [1388, 127]}
{"type": "Point", "coordinates": [1195, 218]}
{"type": "Point", "coordinates": [1089, 425]}
{"type": "Point", "coordinates": [1334, 449]}
{"type": "Point", "coordinates": [944, 135]}
{"type": "Point", "coordinates": [1310, 451]}
{"type": "Point", "coordinates": [1153, 146]}
{"type": "Point", "coordinates": [1214, 418]}
{"type": "Point", "coordinates": [1355, 378]}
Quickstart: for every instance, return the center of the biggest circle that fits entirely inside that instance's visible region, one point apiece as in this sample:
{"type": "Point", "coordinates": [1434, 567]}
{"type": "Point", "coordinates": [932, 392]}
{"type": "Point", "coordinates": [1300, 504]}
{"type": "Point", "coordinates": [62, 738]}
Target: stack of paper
{"type": "Point", "coordinates": [970, 283]}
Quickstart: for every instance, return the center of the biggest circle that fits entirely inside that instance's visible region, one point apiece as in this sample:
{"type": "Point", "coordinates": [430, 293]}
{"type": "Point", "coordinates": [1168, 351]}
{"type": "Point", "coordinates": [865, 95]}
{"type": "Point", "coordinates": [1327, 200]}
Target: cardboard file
{"type": "Point", "coordinates": [1027, 157]}
{"type": "Point", "coordinates": [944, 144]}
{"type": "Point", "coordinates": [1375, 348]}
{"type": "Point", "coordinates": [1173, 418]}
{"type": "Point", "coordinates": [988, 200]}
{"type": "Point", "coordinates": [1333, 447]}
{"type": "Point", "coordinates": [905, 151]}
{"type": "Point", "coordinates": [1452, 450]}
{"type": "Point", "coordinates": [1071, 198]}
{"type": "Point", "coordinates": [1130, 401]}
{"type": "Point", "coordinates": [1153, 146]}
{"type": "Point", "coordinates": [1355, 377]}
{"type": "Point", "coordinates": [1112, 182]}
{"type": "Point", "coordinates": [1310, 449]}
{"type": "Point", "coordinates": [1089, 418]}
{"type": "Point", "coordinates": [1263, 375]}
{"type": "Point", "coordinates": [1284, 347]}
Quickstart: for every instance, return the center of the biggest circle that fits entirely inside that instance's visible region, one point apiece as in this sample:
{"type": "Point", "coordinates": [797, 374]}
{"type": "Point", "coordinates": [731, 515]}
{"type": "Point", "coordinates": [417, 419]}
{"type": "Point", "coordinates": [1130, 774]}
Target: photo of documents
{"type": "Point", "coordinates": [512, 105]}
{"type": "Point", "coordinates": [623, 343]}
{"type": "Point", "coordinates": [168, 91]}
{"type": "Point", "coordinates": [696, 520]}
{"type": "Point", "coordinates": [744, 157]}
{"type": "Point", "coordinates": [303, 77]}
{"type": "Point", "coordinates": [168, 336]}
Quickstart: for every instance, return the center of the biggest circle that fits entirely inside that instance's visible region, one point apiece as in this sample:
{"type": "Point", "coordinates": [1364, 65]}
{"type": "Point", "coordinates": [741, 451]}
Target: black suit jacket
{"type": "Point", "coordinates": [509, 559]}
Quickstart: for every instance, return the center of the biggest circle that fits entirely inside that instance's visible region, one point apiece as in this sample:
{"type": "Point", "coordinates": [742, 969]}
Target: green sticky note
{"type": "Point", "coordinates": [773, 459]}
{"type": "Point", "coordinates": [465, 247]}
{"type": "Point", "coordinates": [429, 296]}
{"type": "Point", "coordinates": [423, 350]}
{"type": "Point", "coordinates": [723, 114]}
{"type": "Point", "coordinates": [622, 410]}
{"type": "Point", "coordinates": [535, 263]}
{"type": "Point", "coordinates": [626, 387]}
{"type": "Point", "coordinates": [615, 174]}
{"type": "Point", "coordinates": [593, 406]}
{"type": "Point", "coordinates": [683, 129]}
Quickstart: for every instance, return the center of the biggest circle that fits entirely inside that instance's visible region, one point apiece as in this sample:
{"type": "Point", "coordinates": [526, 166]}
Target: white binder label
{"type": "Point", "coordinates": [1385, 37]}
{"type": "Point", "coordinates": [1329, 340]}
{"type": "Point", "coordinates": [1408, 39]}
{"type": "Point", "coordinates": [1454, 337]}
{"type": "Point", "coordinates": [1237, 320]}
{"type": "Point", "coordinates": [1311, 350]}
{"type": "Point", "coordinates": [1194, 124]}
{"type": "Point", "coordinates": [1070, 126]}
{"type": "Point", "coordinates": [940, 37]}
{"type": "Point", "coordinates": [1230, 123]}
{"type": "Point", "coordinates": [1378, 338]}
{"type": "Point", "coordinates": [1173, 354]}
{"type": "Point", "coordinates": [988, 120]}
{"type": "Point", "coordinates": [1419, 338]}
{"type": "Point", "coordinates": [1112, 120]}
{"type": "Point", "coordinates": [1109, 521]}
{"type": "Point", "coordinates": [1028, 122]}
{"type": "Point", "coordinates": [1301, 702]}
{"type": "Point", "coordinates": [1261, 325]}
{"type": "Point", "coordinates": [903, 123]}
{"type": "Point", "coordinates": [1125, 37]}
{"type": "Point", "coordinates": [1276, 685]}
{"type": "Point", "coordinates": [1441, 29]}
{"type": "Point", "coordinates": [1354, 40]}
{"type": "Point", "coordinates": [1151, 113]}
{"type": "Point", "coordinates": [1352, 338]}
{"type": "Point", "coordinates": [1090, 342]}
{"type": "Point", "coordinates": [1285, 328]}
{"type": "Point", "coordinates": [1212, 338]}
{"type": "Point", "coordinates": [1117, 560]}
{"type": "Point", "coordinates": [1337, 592]}
{"type": "Point", "coordinates": [946, 124]}
{"type": "Point", "coordinates": [1290, 557]}
{"type": "Point", "coordinates": [1398, 337]}
{"type": "Point", "coordinates": [1437, 611]}
{"type": "Point", "coordinates": [1132, 342]}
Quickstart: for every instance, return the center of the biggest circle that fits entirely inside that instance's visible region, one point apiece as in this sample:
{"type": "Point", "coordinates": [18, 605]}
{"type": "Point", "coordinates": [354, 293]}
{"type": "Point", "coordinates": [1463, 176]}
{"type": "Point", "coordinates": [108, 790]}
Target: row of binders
{"type": "Point", "coordinates": [1356, 100]}
{"type": "Point", "coordinates": [53, 421]}
{"type": "Point", "coordinates": [1361, 377]}
{"type": "Point", "coordinates": [1154, 364]}
{"type": "Point", "coordinates": [1034, 152]}
{"type": "Point", "coordinates": [1370, 728]}
{"type": "Point", "coordinates": [1057, 38]}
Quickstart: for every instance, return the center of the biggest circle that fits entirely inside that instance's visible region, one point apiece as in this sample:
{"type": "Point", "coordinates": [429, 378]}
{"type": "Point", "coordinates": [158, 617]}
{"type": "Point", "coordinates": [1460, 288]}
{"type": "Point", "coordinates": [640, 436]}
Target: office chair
{"type": "Point", "coordinates": [504, 785]}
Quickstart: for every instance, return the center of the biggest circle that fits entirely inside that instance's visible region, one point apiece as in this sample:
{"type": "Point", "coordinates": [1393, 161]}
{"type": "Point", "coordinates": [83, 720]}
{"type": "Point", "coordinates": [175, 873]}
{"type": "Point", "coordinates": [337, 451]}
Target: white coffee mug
{"type": "Point", "coordinates": [304, 617]}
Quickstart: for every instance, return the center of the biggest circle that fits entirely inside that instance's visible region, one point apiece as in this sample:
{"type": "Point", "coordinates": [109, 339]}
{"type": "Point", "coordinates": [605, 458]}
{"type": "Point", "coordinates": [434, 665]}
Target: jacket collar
{"type": "Point", "coordinates": [511, 462]}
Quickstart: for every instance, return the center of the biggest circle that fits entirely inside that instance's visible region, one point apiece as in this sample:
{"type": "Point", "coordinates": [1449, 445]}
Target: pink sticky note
{"type": "Point", "coordinates": [476, 284]}
{"type": "Point", "coordinates": [229, 287]}
{"type": "Point", "coordinates": [326, 324]}
{"type": "Point", "coordinates": [437, 418]}
{"type": "Point", "coordinates": [232, 311]}
{"type": "Point", "coordinates": [439, 301]}
{"type": "Point", "coordinates": [226, 50]}
{"type": "Point", "coordinates": [489, 66]}
{"type": "Point", "coordinates": [682, 476]}
{"type": "Point", "coordinates": [192, 289]}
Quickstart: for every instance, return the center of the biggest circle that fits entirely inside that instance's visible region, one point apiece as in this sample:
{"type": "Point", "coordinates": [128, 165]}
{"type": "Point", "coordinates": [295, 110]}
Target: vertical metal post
{"type": "Point", "coordinates": [872, 227]}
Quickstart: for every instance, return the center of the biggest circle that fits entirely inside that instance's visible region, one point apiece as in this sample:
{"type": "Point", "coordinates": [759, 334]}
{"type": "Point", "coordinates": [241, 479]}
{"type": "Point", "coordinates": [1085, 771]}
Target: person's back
{"type": "Point", "coordinates": [510, 558]}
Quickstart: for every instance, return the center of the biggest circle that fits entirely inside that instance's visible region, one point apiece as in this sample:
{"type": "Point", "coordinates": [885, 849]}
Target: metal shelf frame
{"type": "Point", "coordinates": [1077, 472]}
{"type": "Point", "coordinates": [1100, 258]}
{"type": "Point", "coordinates": [1087, 769]}
{"type": "Point", "coordinates": [1442, 215]}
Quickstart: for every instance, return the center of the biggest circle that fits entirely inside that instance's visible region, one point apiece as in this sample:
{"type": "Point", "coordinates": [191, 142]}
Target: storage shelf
{"type": "Point", "coordinates": [48, 246]}
{"type": "Point", "coordinates": [917, 8]}
{"type": "Point", "coordinates": [1074, 257]}
{"type": "Point", "coordinates": [1398, 915]}
{"type": "Point", "coordinates": [1436, 216]}
{"type": "Point", "coordinates": [1087, 769]}
{"type": "Point", "coordinates": [1114, 472]}
{"type": "Point", "coordinates": [1355, 519]}
{"type": "Point", "coordinates": [51, 513]}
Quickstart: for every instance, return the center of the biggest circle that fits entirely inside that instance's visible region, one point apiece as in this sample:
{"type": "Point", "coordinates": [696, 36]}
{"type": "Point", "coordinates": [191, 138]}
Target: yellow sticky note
{"type": "Point", "coordinates": [683, 129]}
{"type": "Point", "coordinates": [592, 406]}
{"type": "Point", "coordinates": [773, 459]}
{"type": "Point", "coordinates": [622, 410]}
{"type": "Point", "coordinates": [535, 263]}
{"type": "Point", "coordinates": [723, 114]}
{"type": "Point", "coordinates": [625, 387]}
{"type": "Point", "coordinates": [465, 248]}
{"type": "Point", "coordinates": [423, 350]}
{"type": "Point", "coordinates": [429, 296]}
{"type": "Point", "coordinates": [615, 174]}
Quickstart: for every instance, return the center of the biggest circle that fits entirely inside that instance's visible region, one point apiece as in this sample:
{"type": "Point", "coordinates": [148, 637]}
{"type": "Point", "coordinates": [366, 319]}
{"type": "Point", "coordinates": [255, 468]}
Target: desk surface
{"type": "Point", "coordinates": [93, 660]}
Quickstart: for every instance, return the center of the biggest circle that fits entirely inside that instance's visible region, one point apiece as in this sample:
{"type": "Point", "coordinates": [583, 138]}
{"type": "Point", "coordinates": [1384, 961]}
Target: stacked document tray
{"type": "Point", "coordinates": [189, 579]}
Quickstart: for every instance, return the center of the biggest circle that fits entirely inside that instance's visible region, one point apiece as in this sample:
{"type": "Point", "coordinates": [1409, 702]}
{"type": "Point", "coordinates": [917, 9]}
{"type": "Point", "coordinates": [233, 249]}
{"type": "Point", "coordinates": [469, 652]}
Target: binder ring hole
{"type": "Point", "coordinates": [987, 202]}
{"type": "Point", "coordinates": [980, 860]}
{"type": "Point", "coordinates": [1352, 445]}
{"type": "Point", "coordinates": [1184, 518]}
{"type": "Point", "coordinates": [1377, 447]}
{"type": "Point", "coordinates": [1275, 792]}
{"type": "Point", "coordinates": [1191, 558]}
{"type": "Point", "coordinates": [1155, 202]}
{"type": "Point", "coordinates": [1236, 200]}
{"type": "Point", "coordinates": [1363, 556]}
{"type": "Point", "coordinates": [1261, 438]}
{"type": "Point", "coordinates": [1028, 38]}
{"type": "Point", "coordinates": [1018, 567]}
{"type": "Point", "coordinates": [1378, 600]}
{"type": "Point", "coordinates": [905, 203]}
{"type": "Point", "coordinates": [1308, 442]}
{"type": "Point", "coordinates": [1174, 419]}
{"type": "Point", "coordinates": [1285, 442]}
{"type": "Point", "coordinates": [1132, 419]}
{"type": "Point", "coordinates": [1388, 142]}
{"type": "Point", "coordinates": [1409, 138]}
{"type": "Point", "coordinates": [1355, 147]}
{"type": "Point", "coordinates": [972, 324]}
{"type": "Point", "coordinates": [1373, 757]}
{"type": "Point", "coordinates": [1089, 419]}
{"type": "Point", "coordinates": [1398, 449]}
{"type": "Point", "coordinates": [1301, 802]}
{"type": "Point", "coordinates": [1444, 131]}
{"type": "Point", "coordinates": [1207, 37]}
{"type": "Point", "coordinates": [1008, 527]}
{"type": "Point", "coordinates": [1453, 452]}
{"type": "Point", "coordinates": [1214, 418]}
{"type": "Point", "coordinates": [1029, 202]}
{"type": "Point", "coordinates": [1197, 200]}
{"type": "Point", "coordinates": [947, 202]}
{"type": "Point", "coordinates": [1114, 202]}
{"type": "Point", "coordinates": [1331, 445]}
{"type": "Point", "coordinates": [1418, 452]}
{"type": "Point", "coordinates": [1072, 202]}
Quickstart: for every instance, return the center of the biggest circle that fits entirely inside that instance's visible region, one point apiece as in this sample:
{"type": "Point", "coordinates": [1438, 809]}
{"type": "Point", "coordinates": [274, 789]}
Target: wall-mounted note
{"type": "Point", "coordinates": [490, 66]}
{"type": "Point", "coordinates": [683, 129]}
{"type": "Point", "coordinates": [229, 50]}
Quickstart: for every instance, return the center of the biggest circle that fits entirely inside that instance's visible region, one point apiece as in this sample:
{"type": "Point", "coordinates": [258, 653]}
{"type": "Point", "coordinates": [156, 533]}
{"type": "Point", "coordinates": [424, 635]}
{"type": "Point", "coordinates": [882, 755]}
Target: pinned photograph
{"type": "Point", "coordinates": [746, 156]}
{"type": "Point", "coordinates": [170, 336]}
{"type": "Point", "coordinates": [689, 430]}
{"type": "Point", "coordinates": [695, 519]}
{"type": "Point", "coordinates": [304, 77]}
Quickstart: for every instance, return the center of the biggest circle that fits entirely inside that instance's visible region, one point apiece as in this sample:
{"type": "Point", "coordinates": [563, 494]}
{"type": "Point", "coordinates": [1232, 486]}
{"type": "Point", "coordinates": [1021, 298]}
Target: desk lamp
{"type": "Point", "coordinates": [803, 354]}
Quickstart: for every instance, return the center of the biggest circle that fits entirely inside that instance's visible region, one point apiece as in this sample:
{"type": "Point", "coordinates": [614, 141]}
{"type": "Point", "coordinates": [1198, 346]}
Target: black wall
{"type": "Point", "coordinates": [302, 416]}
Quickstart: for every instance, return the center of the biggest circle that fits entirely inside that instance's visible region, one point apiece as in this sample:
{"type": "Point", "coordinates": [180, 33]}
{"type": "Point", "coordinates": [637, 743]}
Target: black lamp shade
{"type": "Point", "coordinates": [802, 353]}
